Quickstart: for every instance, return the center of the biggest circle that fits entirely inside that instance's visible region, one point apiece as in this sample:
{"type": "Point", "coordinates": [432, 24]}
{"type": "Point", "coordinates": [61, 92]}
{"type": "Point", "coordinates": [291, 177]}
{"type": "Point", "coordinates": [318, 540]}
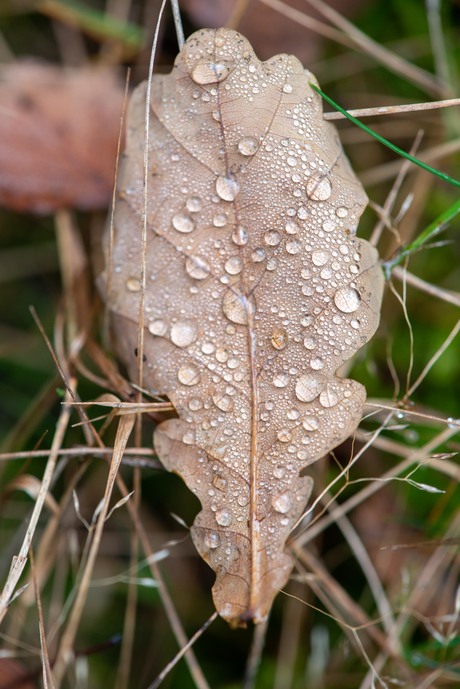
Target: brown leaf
{"type": "Point", "coordinates": [257, 290]}
{"type": "Point", "coordinates": [59, 134]}
{"type": "Point", "coordinates": [14, 676]}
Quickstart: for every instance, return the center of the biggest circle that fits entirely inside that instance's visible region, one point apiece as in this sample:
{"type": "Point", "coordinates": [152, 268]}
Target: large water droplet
{"type": "Point", "coordinates": [158, 327]}
{"type": "Point", "coordinates": [248, 145]}
{"type": "Point", "coordinates": [318, 188]}
{"type": "Point", "coordinates": [284, 435]}
{"type": "Point", "coordinates": [224, 517]}
{"type": "Point", "coordinates": [188, 375]}
{"type": "Point", "coordinates": [272, 238]}
{"type": "Point", "coordinates": [310, 423]}
{"type": "Point", "coordinates": [258, 255]}
{"type": "Point", "coordinates": [183, 223]}
{"type": "Point", "coordinates": [347, 299]}
{"type": "Point", "coordinates": [292, 227]}
{"type": "Point", "coordinates": [309, 386]}
{"type": "Point", "coordinates": [183, 333]}
{"type": "Point", "coordinates": [236, 307]}
{"type": "Point", "coordinates": [309, 343]}
{"type": "Point", "coordinates": [328, 398]}
{"type": "Point", "coordinates": [240, 235]}
{"type": "Point", "coordinates": [293, 247]}
{"type": "Point", "coordinates": [282, 503]}
{"type": "Point", "coordinates": [279, 338]}
{"type": "Point", "coordinates": [197, 267]}
{"type": "Point", "coordinates": [280, 380]}
{"type": "Point", "coordinates": [212, 539]}
{"type": "Point", "coordinates": [193, 204]}
{"type": "Point", "coordinates": [220, 220]}
{"type": "Point", "coordinates": [209, 72]}
{"type": "Point", "coordinates": [320, 258]}
{"type": "Point", "coordinates": [133, 285]}
{"type": "Point", "coordinates": [227, 188]}
{"type": "Point", "coordinates": [223, 402]}
{"type": "Point", "coordinates": [220, 482]}
{"type": "Point", "coordinates": [234, 265]}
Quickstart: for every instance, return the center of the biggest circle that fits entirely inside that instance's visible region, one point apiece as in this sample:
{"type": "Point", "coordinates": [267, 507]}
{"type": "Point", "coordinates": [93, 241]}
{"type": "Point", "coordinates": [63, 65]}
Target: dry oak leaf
{"type": "Point", "coordinates": [59, 131]}
{"type": "Point", "coordinates": [257, 290]}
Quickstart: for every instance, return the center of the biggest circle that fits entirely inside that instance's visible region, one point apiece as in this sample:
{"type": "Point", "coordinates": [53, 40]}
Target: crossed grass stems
{"type": "Point", "coordinates": [381, 639]}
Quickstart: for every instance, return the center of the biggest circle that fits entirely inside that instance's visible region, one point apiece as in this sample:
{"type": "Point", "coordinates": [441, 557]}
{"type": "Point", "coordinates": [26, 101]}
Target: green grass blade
{"type": "Point", "coordinates": [385, 142]}
{"type": "Point", "coordinates": [425, 236]}
{"type": "Point", "coordinates": [93, 21]}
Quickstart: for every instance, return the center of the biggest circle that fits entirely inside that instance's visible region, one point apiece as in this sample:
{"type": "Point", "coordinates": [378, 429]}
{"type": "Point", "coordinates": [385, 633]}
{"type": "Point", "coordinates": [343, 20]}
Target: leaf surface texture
{"type": "Point", "coordinates": [257, 290]}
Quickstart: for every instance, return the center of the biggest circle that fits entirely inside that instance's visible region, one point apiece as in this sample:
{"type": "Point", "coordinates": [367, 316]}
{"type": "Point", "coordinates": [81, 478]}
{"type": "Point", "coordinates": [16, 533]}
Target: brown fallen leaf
{"type": "Point", "coordinates": [59, 133]}
{"type": "Point", "coordinates": [13, 675]}
{"type": "Point", "coordinates": [257, 290]}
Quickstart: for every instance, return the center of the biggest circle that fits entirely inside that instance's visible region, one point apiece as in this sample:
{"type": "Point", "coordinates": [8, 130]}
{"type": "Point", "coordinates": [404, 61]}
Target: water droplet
{"type": "Point", "coordinates": [208, 347]}
{"type": "Point", "coordinates": [183, 223]}
{"type": "Point", "coordinates": [309, 386]}
{"type": "Point", "coordinates": [328, 398]}
{"type": "Point", "coordinates": [188, 375]}
{"type": "Point", "coordinates": [293, 414]}
{"type": "Point", "coordinates": [341, 212]}
{"type": "Point", "coordinates": [227, 188]}
{"type": "Point", "coordinates": [220, 482]}
{"type": "Point", "coordinates": [279, 338]}
{"type": "Point", "coordinates": [309, 343]}
{"type": "Point", "coordinates": [272, 238]}
{"type": "Point", "coordinates": [306, 320]}
{"type": "Point", "coordinates": [189, 438]}
{"type": "Point", "coordinates": [236, 307]}
{"type": "Point", "coordinates": [320, 258]}
{"type": "Point", "coordinates": [223, 402]}
{"type": "Point", "coordinates": [279, 471]}
{"type": "Point", "coordinates": [287, 88]}
{"type": "Point", "coordinates": [302, 213]}
{"type": "Point", "coordinates": [347, 299]}
{"type": "Point", "coordinates": [292, 227]}
{"type": "Point", "coordinates": [158, 328]}
{"type": "Point", "coordinates": [197, 267]}
{"type": "Point", "coordinates": [193, 204]}
{"type": "Point", "coordinates": [224, 517]}
{"type": "Point", "coordinates": [240, 236]}
{"type": "Point", "coordinates": [282, 503]}
{"type": "Point", "coordinates": [280, 380]}
{"type": "Point", "coordinates": [242, 499]}
{"type": "Point", "coordinates": [234, 265]}
{"type": "Point", "coordinates": [318, 188]}
{"type": "Point", "coordinates": [291, 161]}
{"type": "Point", "coordinates": [317, 364]}
{"type": "Point", "coordinates": [220, 220]}
{"type": "Point", "coordinates": [258, 255]}
{"type": "Point", "coordinates": [329, 226]}
{"type": "Point", "coordinates": [212, 539]}
{"type": "Point", "coordinates": [133, 285]}
{"type": "Point", "coordinates": [183, 333]}
{"type": "Point", "coordinates": [310, 423]}
{"type": "Point", "coordinates": [293, 247]}
{"type": "Point", "coordinates": [284, 435]}
{"type": "Point", "coordinates": [209, 72]}
{"type": "Point", "coordinates": [248, 145]}
{"type": "Point", "coordinates": [195, 404]}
